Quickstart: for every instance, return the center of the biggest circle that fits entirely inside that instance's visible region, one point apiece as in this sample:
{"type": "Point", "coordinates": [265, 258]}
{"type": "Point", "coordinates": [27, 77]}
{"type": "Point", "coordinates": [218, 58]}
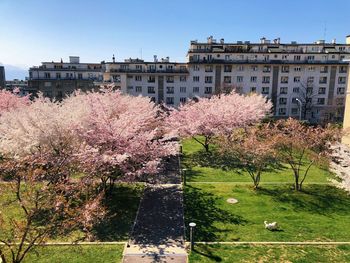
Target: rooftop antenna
{"type": "Point", "coordinates": [325, 31]}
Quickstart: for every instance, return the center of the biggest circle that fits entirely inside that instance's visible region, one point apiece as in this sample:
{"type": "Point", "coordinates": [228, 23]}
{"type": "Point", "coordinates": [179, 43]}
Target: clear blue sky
{"type": "Point", "coordinates": [44, 30]}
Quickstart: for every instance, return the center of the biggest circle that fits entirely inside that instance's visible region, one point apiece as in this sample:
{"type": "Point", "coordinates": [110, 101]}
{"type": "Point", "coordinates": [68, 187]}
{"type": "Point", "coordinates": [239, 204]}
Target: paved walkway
{"type": "Point", "coordinates": [158, 233]}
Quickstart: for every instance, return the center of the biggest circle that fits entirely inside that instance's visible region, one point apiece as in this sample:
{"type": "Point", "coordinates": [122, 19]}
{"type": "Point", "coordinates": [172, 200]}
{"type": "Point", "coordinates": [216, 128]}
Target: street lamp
{"type": "Point", "coordinates": [300, 106]}
{"type": "Point", "coordinates": [192, 226]}
{"type": "Point", "coordinates": [184, 175]}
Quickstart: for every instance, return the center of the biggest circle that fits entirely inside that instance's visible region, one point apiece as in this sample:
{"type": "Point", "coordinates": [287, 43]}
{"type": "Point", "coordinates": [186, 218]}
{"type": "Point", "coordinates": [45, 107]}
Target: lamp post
{"type": "Point", "coordinates": [192, 226]}
{"type": "Point", "coordinates": [300, 106]}
{"type": "Point", "coordinates": [184, 175]}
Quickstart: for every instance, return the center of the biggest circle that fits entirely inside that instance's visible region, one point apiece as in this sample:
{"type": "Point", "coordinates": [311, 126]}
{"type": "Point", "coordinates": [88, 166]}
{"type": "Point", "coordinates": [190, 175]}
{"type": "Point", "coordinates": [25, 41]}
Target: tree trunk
{"type": "Point", "coordinates": [2, 257]}
{"type": "Point", "coordinates": [206, 146]}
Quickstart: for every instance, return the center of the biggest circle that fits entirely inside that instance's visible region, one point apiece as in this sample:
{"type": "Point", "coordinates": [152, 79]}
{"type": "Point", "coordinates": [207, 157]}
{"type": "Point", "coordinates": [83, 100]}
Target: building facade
{"type": "Point", "coordinates": [306, 81]}
{"type": "Point", "coordinates": [57, 79]}
{"type": "Point", "coordinates": [2, 77]}
{"type": "Point", "coordinates": [22, 85]}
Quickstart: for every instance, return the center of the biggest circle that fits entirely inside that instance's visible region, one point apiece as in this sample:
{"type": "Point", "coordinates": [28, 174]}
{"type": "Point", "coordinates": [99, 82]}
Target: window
{"type": "Point", "coordinates": [282, 111]}
{"type": "Point", "coordinates": [169, 100]}
{"type": "Point", "coordinates": [321, 90]}
{"type": "Point", "coordinates": [227, 57]}
{"type": "Point", "coordinates": [341, 80]}
{"type": "Point", "coordinates": [267, 69]}
{"type": "Point", "coordinates": [297, 58]}
{"type": "Point", "coordinates": [170, 90]}
{"type": "Point", "coordinates": [196, 68]}
{"type": "Point", "coordinates": [239, 79]}
{"type": "Point", "coordinates": [58, 75]}
{"type": "Point", "coordinates": [282, 101]}
{"type": "Point", "coordinates": [130, 89]}
{"type": "Point", "coordinates": [342, 69]}
{"type": "Point", "coordinates": [296, 79]}
{"type": "Point", "coordinates": [253, 89]}
{"type": "Point", "coordinates": [182, 78]}
{"type": "Point", "coordinates": [240, 68]}
{"type": "Point", "coordinates": [138, 78]}
{"type": "Point", "coordinates": [311, 68]}
{"type": "Point", "coordinates": [310, 80]}
{"type": "Point", "coordinates": [170, 79]}
{"type": "Point", "coordinates": [254, 68]}
{"type": "Point", "coordinates": [339, 101]}
{"type": "Point", "coordinates": [253, 79]}
{"type": "Point", "coordinates": [183, 89]}
{"type": "Point", "coordinates": [323, 80]}
{"type": "Point", "coordinates": [227, 68]}
{"type": "Point", "coordinates": [296, 90]}
{"type": "Point", "coordinates": [309, 90]}
{"type": "Point", "coordinates": [310, 57]}
{"type": "Point", "coordinates": [340, 90]}
{"type": "Point", "coordinates": [266, 79]}
{"type": "Point", "coordinates": [80, 76]}
{"type": "Point", "coordinates": [138, 89]}
{"type": "Point", "coordinates": [195, 89]}
{"type": "Point", "coordinates": [283, 90]}
{"type": "Point", "coordinates": [227, 79]}
{"type": "Point", "coordinates": [208, 79]}
{"type": "Point", "coordinates": [195, 78]}
{"type": "Point", "coordinates": [151, 79]}
{"type": "Point", "coordinates": [324, 69]}
{"type": "Point", "coordinates": [284, 79]}
{"type": "Point", "coordinates": [285, 69]}
{"type": "Point", "coordinates": [116, 78]}
{"type": "Point", "coordinates": [208, 90]}
{"type": "Point", "coordinates": [295, 111]}
{"type": "Point", "coordinates": [48, 75]}
{"type": "Point", "coordinates": [139, 67]}
{"type": "Point", "coordinates": [151, 90]}
{"type": "Point", "coordinates": [183, 99]}
{"type": "Point", "coordinates": [209, 68]}
{"type": "Point", "coordinates": [320, 101]}
{"type": "Point", "coordinates": [265, 90]}
{"type": "Point", "coordinates": [183, 68]}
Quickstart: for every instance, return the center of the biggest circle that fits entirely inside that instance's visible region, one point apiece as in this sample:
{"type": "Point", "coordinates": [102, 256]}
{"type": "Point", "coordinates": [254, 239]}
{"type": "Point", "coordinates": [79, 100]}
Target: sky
{"type": "Point", "coordinates": [44, 30]}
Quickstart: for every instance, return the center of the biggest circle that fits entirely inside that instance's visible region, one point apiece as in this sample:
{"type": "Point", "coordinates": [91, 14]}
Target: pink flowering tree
{"type": "Point", "coordinates": [218, 115]}
{"type": "Point", "coordinates": [123, 136]}
{"type": "Point", "coordinates": [11, 100]}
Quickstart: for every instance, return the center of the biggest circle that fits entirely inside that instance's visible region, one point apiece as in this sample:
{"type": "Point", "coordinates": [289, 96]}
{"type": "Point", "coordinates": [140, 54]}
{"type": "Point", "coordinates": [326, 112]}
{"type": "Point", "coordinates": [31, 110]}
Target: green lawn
{"type": "Point", "coordinates": [77, 254]}
{"type": "Point", "coordinates": [203, 168]}
{"type": "Point", "coordinates": [122, 206]}
{"type": "Point", "coordinates": [320, 212]}
{"type": "Point", "coordinates": [270, 254]}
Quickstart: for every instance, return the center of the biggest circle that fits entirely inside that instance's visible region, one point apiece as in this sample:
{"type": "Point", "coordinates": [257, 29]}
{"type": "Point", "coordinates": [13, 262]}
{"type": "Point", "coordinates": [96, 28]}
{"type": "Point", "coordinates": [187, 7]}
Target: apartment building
{"type": "Point", "coordinates": [161, 80]}
{"type": "Point", "coordinates": [302, 80]}
{"type": "Point", "coordinates": [22, 85]}
{"type": "Point", "coordinates": [306, 81]}
{"type": "Point", "coordinates": [2, 77]}
{"type": "Point", "coordinates": [57, 79]}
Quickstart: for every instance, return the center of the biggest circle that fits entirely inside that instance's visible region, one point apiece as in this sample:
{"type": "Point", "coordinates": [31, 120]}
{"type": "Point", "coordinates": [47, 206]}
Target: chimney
{"type": "Point", "coordinates": [113, 58]}
{"type": "Point", "coordinates": [347, 40]}
{"type": "Point", "coordinates": [334, 41]}
{"type": "Point", "coordinates": [155, 58]}
{"type": "Point", "coordinates": [262, 40]}
{"type": "Point", "coordinates": [222, 41]}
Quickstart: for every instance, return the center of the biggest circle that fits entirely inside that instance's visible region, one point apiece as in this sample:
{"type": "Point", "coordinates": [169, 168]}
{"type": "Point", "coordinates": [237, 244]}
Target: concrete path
{"type": "Point", "coordinates": [158, 233]}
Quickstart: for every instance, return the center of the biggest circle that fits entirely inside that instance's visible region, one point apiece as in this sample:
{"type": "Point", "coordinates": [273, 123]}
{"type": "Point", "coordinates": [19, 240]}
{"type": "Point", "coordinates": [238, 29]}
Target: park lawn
{"type": "Point", "coordinates": [319, 213]}
{"type": "Point", "coordinates": [76, 254]}
{"type": "Point", "coordinates": [201, 170]}
{"type": "Point", "coordinates": [270, 254]}
{"type": "Point", "coordinates": [121, 207]}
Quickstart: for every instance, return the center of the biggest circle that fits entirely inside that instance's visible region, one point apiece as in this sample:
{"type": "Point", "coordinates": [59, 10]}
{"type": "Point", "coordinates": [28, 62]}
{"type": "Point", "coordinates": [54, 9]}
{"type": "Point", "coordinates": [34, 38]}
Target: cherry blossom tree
{"type": "Point", "coordinates": [11, 100]}
{"type": "Point", "coordinates": [123, 136]}
{"type": "Point", "coordinates": [253, 148]}
{"type": "Point", "coordinates": [218, 115]}
{"type": "Point", "coordinates": [301, 146]}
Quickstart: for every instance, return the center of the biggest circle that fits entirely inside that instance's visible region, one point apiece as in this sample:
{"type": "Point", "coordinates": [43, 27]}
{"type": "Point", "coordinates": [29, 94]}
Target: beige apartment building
{"type": "Point", "coordinates": [303, 80]}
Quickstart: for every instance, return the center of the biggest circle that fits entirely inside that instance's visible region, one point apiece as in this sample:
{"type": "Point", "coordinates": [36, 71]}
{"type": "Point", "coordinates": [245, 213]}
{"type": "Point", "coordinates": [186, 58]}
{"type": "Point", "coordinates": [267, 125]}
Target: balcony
{"type": "Point", "coordinates": [164, 71]}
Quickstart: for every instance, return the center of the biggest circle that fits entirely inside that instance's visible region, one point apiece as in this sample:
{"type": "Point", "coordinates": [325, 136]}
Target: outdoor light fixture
{"type": "Point", "coordinates": [192, 226]}
{"type": "Point", "coordinates": [184, 175]}
{"type": "Point", "coordinates": [300, 105]}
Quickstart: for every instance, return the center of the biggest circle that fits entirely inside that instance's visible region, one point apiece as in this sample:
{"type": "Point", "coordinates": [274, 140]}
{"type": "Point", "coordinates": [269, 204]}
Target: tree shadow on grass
{"type": "Point", "coordinates": [318, 199]}
{"type": "Point", "coordinates": [121, 208]}
{"type": "Point", "coordinates": [206, 252]}
{"type": "Point", "coordinates": [201, 208]}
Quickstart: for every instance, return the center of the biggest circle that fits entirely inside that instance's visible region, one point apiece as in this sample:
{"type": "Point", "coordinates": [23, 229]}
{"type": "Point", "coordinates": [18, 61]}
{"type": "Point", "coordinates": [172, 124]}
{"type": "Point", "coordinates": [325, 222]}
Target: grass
{"type": "Point", "coordinates": [122, 206]}
{"type": "Point", "coordinates": [202, 167]}
{"type": "Point", "coordinates": [319, 213]}
{"type": "Point", "coordinates": [76, 254]}
{"type": "Point", "coordinates": [269, 254]}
